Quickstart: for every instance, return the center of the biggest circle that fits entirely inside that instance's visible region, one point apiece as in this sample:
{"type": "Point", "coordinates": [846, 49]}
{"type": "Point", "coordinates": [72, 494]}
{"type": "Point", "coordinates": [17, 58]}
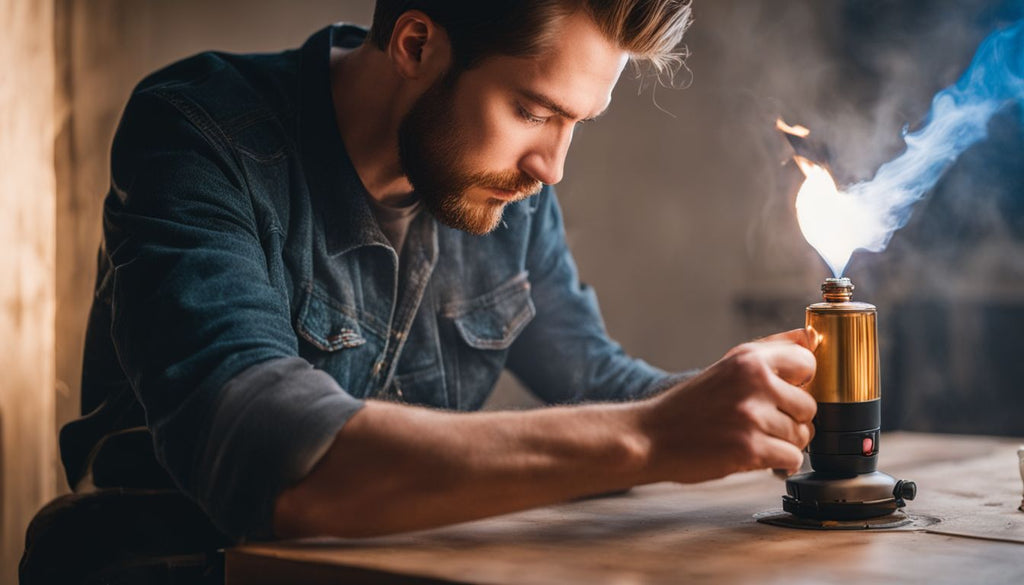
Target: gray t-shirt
{"type": "Point", "coordinates": [395, 221]}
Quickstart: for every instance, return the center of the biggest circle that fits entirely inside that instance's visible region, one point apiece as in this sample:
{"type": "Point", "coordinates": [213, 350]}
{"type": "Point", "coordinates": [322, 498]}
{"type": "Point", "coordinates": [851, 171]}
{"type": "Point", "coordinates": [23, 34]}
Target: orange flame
{"type": "Point", "coordinates": [794, 130]}
{"type": "Point", "coordinates": [833, 222]}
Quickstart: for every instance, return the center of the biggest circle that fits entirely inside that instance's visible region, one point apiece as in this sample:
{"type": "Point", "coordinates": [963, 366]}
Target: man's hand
{"type": "Point", "coordinates": [747, 411]}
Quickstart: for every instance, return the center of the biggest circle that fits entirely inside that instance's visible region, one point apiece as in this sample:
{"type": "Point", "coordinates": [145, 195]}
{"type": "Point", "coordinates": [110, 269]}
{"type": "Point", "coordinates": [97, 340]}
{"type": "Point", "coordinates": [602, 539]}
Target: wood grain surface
{"type": "Point", "coordinates": [704, 533]}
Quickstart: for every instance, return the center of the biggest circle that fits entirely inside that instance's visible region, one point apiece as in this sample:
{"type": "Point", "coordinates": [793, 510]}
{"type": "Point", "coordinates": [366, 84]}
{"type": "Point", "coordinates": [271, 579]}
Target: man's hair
{"type": "Point", "coordinates": [647, 30]}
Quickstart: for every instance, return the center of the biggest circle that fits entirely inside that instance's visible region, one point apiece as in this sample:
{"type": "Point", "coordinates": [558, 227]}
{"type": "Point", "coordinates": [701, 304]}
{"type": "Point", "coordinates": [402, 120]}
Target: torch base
{"type": "Point", "coordinates": [898, 519]}
{"type": "Point", "coordinates": [825, 496]}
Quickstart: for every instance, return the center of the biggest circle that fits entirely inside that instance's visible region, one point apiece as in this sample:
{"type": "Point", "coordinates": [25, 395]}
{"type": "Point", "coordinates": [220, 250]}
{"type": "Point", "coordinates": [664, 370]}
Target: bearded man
{"type": "Point", "coordinates": [317, 263]}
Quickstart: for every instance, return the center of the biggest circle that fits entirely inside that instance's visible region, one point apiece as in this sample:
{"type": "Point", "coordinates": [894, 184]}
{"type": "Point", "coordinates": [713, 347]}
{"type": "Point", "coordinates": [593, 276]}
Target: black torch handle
{"type": "Point", "coordinates": [846, 437]}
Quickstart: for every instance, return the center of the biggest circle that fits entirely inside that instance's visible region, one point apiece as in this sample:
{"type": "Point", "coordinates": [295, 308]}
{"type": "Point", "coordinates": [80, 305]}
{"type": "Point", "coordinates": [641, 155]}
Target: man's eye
{"type": "Point", "coordinates": [526, 115]}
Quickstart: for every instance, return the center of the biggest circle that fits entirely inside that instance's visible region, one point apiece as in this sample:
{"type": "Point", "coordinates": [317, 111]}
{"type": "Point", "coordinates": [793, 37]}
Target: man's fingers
{"type": "Point", "coordinates": [793, 401]}
{"type": "Point", "coordinates": [778, 424]}
{"type": "Point", "coordinates": [804, 337]}
{"type": "Point", "coordinates": [793, 363]}
{"type": "Point", "coordinates": [778, 454]}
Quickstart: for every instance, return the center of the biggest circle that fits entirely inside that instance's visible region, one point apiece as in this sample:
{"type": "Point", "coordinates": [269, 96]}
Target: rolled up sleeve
{"type": "Point", "coordinates": [272, 423]}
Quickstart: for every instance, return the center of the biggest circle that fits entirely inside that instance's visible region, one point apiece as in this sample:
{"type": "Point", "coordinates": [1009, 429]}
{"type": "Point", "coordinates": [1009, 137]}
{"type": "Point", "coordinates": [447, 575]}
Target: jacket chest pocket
{"type": "Point", "coordinates": [334, 340]}
{"type": "Point", "coordinates": [486, 326]}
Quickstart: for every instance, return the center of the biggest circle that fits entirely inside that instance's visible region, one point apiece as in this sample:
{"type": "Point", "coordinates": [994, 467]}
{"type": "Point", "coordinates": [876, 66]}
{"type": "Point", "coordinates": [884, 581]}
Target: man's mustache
{"type": "Point", "coordinates": [510, 181]}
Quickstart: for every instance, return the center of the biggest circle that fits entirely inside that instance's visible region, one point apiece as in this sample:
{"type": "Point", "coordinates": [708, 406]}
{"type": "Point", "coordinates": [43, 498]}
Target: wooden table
{"type": "Point", "coordinates": [704, 533]}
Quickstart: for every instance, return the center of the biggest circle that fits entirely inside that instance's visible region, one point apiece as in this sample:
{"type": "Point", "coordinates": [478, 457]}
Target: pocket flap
{"type": "Point", "coordinates": [326, 326]}
{"type": "Point", "coordinates": [493, 320]}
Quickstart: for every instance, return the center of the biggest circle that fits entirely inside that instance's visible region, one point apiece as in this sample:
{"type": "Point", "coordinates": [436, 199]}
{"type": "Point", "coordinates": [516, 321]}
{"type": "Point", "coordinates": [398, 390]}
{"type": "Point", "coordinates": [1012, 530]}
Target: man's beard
{"type": "Point", "coordinates": [431, 151]}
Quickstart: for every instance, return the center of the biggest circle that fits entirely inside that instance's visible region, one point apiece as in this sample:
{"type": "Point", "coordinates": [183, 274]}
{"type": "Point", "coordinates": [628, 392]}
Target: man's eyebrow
{"type": "Point", "coordinates": [552, 105]}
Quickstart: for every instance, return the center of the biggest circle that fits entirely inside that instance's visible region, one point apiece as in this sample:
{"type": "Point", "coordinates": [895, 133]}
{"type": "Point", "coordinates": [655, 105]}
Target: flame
{"type": "Point", "coordinates": [798, 130]}
{"type": "Point", "coordinates": [833, 222]}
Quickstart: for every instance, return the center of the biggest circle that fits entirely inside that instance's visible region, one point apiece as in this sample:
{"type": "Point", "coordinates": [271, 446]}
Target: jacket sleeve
{"type": "Point", "coordinates": [201, 332]}
{"type": "Point", "coordinates": [565, 355]}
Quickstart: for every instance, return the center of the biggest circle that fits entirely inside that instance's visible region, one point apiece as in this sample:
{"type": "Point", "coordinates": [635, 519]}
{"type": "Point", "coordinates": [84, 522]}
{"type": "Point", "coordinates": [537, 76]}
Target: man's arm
{"type": "Point", "coordinates": [395, 468]}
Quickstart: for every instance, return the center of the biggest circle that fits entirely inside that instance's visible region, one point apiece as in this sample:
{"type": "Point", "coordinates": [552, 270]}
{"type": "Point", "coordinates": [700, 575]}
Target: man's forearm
{"type": "Point", "coordinates": [395, 468]}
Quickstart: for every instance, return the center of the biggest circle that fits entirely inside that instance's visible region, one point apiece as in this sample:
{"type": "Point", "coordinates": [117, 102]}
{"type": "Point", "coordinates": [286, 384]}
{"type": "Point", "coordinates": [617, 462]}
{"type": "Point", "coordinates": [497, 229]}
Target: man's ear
{"type": "Point", "coordinates": [419, 47]}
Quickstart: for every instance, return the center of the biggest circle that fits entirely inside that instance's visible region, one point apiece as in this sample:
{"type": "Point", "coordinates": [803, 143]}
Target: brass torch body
{"type": "Point", "coordinates": [847, 352]}
{"type": "Point", "coordinates": [846, 382]}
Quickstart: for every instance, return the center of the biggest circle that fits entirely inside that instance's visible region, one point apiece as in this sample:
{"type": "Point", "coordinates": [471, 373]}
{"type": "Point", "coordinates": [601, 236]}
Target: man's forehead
{"type": "Point", "coordinates": [576, 75]}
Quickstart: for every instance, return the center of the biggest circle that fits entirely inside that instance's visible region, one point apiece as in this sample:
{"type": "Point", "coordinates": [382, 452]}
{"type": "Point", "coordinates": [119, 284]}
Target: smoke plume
{"type": "Point", "coordinates": [958, 118]}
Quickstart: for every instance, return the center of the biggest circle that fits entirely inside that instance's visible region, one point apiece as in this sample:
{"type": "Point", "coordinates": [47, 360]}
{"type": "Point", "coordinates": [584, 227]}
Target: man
{"type": "Point", "coordinates": [303, 251]}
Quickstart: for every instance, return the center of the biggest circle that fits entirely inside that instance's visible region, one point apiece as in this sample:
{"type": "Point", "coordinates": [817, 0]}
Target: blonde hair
{"type": "Point", "coordinates": [649, 31]}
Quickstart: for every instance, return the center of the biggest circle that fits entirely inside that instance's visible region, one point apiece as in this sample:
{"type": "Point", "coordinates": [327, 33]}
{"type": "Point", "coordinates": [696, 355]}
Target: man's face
{"type": "Point", "coordinates": [476, 141]}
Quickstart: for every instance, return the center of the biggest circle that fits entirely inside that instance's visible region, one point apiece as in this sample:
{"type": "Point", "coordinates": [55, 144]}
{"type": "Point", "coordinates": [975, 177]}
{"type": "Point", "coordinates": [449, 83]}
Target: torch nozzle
{"type": "Point", "coordinates": [837, 290]}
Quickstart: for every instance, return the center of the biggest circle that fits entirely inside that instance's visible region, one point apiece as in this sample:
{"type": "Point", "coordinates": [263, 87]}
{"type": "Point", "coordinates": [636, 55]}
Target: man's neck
{"type": "Point", "coordinates": [369, 104]}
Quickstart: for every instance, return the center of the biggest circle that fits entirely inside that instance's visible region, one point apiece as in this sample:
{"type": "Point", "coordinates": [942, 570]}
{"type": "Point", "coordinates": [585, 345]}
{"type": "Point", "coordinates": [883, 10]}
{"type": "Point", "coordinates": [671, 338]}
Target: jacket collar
{"type": "Point", "coordinates": [338, 195]}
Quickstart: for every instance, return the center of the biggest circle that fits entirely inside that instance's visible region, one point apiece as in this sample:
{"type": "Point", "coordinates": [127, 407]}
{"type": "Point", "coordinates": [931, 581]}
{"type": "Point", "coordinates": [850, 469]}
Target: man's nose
{"type": "Point", "coordinates": [546, 161]}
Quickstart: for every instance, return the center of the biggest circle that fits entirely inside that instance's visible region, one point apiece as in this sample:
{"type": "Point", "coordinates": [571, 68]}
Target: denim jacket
{"type": "Point", "coordinates": [247, 301]}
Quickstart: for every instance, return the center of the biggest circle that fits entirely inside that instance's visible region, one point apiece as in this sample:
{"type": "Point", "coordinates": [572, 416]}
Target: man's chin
{"type": "Point", "coordinates": [476, 219]}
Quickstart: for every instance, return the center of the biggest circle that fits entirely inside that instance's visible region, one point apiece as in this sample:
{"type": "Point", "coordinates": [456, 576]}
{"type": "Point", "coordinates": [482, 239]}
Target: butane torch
{"type": "Point", "coordinates": [845, 483]}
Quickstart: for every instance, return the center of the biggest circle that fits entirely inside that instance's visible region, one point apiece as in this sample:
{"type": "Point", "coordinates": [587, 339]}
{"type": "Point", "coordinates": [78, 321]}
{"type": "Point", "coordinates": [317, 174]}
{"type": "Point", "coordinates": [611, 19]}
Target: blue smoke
{"type": "Point", "coordinates": [958, 118]}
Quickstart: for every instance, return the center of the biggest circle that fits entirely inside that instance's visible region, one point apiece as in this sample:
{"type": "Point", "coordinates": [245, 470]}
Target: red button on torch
{"type": "Point", "coordinates": [867, 446]}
